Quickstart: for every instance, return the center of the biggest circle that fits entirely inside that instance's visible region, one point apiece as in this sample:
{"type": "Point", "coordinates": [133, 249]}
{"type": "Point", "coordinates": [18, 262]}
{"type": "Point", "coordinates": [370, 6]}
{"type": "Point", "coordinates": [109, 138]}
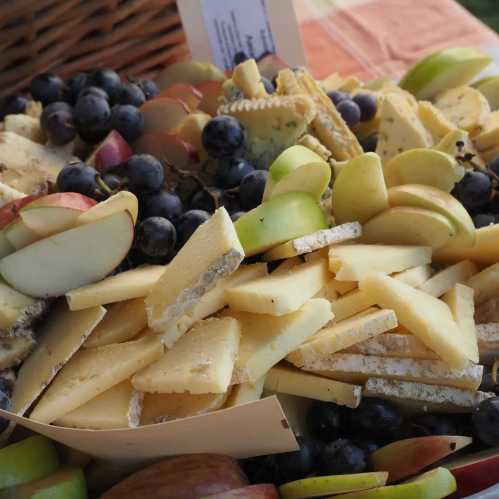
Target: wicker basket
{"type": "Point", "coordinates": [134, 37]}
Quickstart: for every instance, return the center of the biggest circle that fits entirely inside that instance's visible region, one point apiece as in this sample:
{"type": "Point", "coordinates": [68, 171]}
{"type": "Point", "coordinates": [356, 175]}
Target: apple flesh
{"type": "Point", "coordinates": [489, 87]}
{"type": "Point", "coordinates": [73, 258]}
{"type": "Point", "coordinates": [112, 151]}
{"type": "Point", "coordinates": [183, 477]}
{"type": "Point", "coordinates": [19, 235]}
{"type": "Point", "coordinates": [259, 491]}
{"type": "Point", "coordinates": [121, 201]}
{"type": "Point", "coordinates": [28, 460]}
{"type": "Point", "coordinates": [278, 220]}
{"type": "Point", "coordinates": [163, 114]}
{"type": "Point", "coordinates": [5, 247]}
{"type": "Point", "coordinates": [442, 70]}
{"type": "Point", "coordinates": [211, 91]}
{"type": "Point", "coordinates": [184, 92]}
{"type": "Point", "coordinates": [188, 72]}
{"type": "Point", "coordinates": [10, 211]}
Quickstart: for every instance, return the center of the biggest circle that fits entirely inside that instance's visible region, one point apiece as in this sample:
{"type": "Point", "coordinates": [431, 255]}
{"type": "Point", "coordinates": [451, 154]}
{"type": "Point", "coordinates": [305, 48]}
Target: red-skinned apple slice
{"type": "Point", "coordinates": [163, 114]}
{"type": "Point", "coordinates": [184, 92]}
{"type": "Point", "coordinates": [112, 151]}
{"type": "Point", "coordinates": [191, 130]}
{"type": "Point", "coordinates": [121, 201]}
{"type": "Point", "coordinates": [10, 211]}
{"type": "Point", "coordinates": [258, 491]}
{"type": "Point", "coordinates": [70, 259]}
{"type": "Point", "coordinates": [18, 235]}
{"type": "Point", "coordinates": [270, 65]}
{"type": "Point", "coordinates": [212, 91]}
{"type": "Point", "coordinates": [188, 72]}
{"type": "Point", "coordinates": [55, 213]}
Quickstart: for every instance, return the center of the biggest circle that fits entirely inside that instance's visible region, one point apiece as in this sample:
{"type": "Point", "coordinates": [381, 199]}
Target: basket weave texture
{"type": "Point", "coordinates": [134, 37]}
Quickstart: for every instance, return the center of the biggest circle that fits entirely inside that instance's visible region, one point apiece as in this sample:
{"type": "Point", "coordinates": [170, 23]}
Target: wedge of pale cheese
{"type": "Point", "coordinates": [415, 276]}
{"type": "Point", "coordinates": [91, 372]}
{"type": "Point", "coordinates": [425, 316]}
{"type": "Point", "coordinates": [282, 379]}
{"type": "Point", "coordinates": [287, 265]}
{"type": "Point", "coordinates": [215, 299]}
{"type": "Point", "coordinates": [343, 334]}
{"type": "Point", "coordinates": [212, 253]}
{"type": "Point", "coordinates": [282, 293]}
{"type": "Point", "coordinates": [446, 279]}
{"type": "Point", "coordinates": [58, 339]}
{"type": "Point", "coordinates": [161, 407]}
{"type": "Point", "coordinates": [328, 291]}
{"type": "Point", "coordinates": [462, 306]}
{"type": "Point", "coordinates": [343, 287]}
{"type": "Point", "coordinates": [485, 283]}
{"type": "Point", "coordinates": [354, 368]}
{"type": "Point", "coordinates": [267, 339]}
{"type": "Point", "coordinates": [118, 407]}
{"type": "Point", "coordinates": [202, 361]}
{"type": "Point", "coordinates": [135, 283]}
{"type": "Point", "coordinates": [245, 392]}
{"type": "Point", "coordinates": [351, 304]}
{"type": "Point", "coordinates": [421, 397]}
{"type": "Point", "coordinates": [434, 121]}
{"type": "Point", "coordinates": [353, 262]}
{"type": "Point", "coordinates": [487, 311]}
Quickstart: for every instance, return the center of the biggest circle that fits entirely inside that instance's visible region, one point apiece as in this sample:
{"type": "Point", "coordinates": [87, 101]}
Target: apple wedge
{"type": "Point", "coordinates": [10, 211]}
{"type": "Point", "coordinates": [70, 259]}
{"type": "Point", "coordinates": [423, 166]}
{"type": "Point", "coordinates": [19, 235]}
{"type": "Point", "coordinates": [489, 87]}
{"type": "Point", "coordinates": [191, 130]}
{"type": "Point", "coordinates": [212, 91]}
{"type": "Point", "coordinates": [188, 72]}
{"type": "Point", "coordinates": [112, 151]}
{"type": "Point", "coordinates": [121, 201]}
{"type": "Point", "coordinates": [163, 114]}
{"type": "Point", "coordinates": [185, 93]}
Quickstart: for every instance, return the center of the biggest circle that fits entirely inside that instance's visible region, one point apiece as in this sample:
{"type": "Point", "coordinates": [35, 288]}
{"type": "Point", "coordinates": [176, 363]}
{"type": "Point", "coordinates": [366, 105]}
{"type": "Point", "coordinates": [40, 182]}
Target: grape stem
{"type": "Point", "coordinates": [103, 185]}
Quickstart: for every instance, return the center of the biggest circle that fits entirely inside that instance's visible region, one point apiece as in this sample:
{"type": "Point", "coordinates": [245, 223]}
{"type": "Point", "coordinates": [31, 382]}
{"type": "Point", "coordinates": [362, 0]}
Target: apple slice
{"type": "Point", "coordinates": [112, 151]}
{"type": "Point", "coordinates": [121, 201]}
{"type": "Point", "coordinates": [410, 226]}
{"type": "Point", "coordinates": [70, 259]}
{"type": "Point", "coordinates": [188, 72]}
{"type": "Point", "coordinates": [5, 247]}
{"type": "Point", "coordinates": [278, 220]}
{"type": "Point", "coordinates": [431, 198]}
{"type": "Point", "coordinates": [258, 491]}
{"type": "Point", "coordinates": [18, 235]}
{"type": "Point", "coordinates": [10, 211]}
{"type": "Point", "coordinates": [212, 91]}
{"type": "Point", "coordinates": [163, 114]}
{"type": "Point", "coordinates": [270, 65]}
{"type": "Point", "coordinates": [190, 96]}
{"type": "Point", "coordinates": [423, 166]}
{"type": "Point", "coordinates": [445, 69]}
{"type": "Point", "coordinates": [55, 213]}
{"type": "Point", "coordinates": [359, 191]}
{"type": "Point", "coordinates": [489, 87]}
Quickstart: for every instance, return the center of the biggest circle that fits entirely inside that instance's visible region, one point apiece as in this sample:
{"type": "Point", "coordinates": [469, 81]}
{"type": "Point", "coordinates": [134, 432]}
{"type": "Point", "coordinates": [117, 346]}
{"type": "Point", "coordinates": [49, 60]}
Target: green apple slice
{"type": "Point", "coordinates": [287, 162]}
{"type": "Point", "coordinates": [430, 198]}
{"type": "Point", "coordinates": [434, 484]}
{"type": "Point", "coordinates": [359, 191]}
{"type": "Point", "coordinates": [423, 166]}
{"type": "Point", "coordinates": [333, 484]}
{"type": "Point", "coordinates": [410, 226]}
{"type": "Point", "coordinates": [489, 87]}
{"type": "Point", "coordinates": [26, 461]}
{"type": "Point", "coordinates": [442, 70]}
{"type": "Point", "coordinates": [278, 220]}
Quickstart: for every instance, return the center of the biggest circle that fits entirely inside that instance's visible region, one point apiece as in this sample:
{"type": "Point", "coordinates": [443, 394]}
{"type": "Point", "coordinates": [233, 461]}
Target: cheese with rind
{"type": "Point", "coordinates": [415, 276]}
{"type": "Point", "coordinates": [487, 311]}
{"type": "Point", "coordinates": [485, 283]}
{"type": "Point", "coordinates": [446, 279]}
{"type": "Point", "coordinates": [245, 392]}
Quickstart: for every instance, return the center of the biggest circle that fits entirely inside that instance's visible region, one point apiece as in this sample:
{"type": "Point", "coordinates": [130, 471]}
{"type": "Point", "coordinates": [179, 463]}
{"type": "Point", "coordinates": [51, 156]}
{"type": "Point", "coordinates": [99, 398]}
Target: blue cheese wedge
{"type": "Point", "coordinates": [212, 253]}
{"type": "Point", "coordinates": [281, 379]}
{"type": "Point", "coordinates": [202, 361]}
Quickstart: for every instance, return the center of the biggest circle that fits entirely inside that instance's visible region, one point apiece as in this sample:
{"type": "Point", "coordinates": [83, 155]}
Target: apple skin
{"type": "Point", "coordinates": [183, 477]}
{"type": "Point", "coordinates": [191, 130]}
{"type": "Point", "coordinates": [112, 151]}
{"type": "Point", "coordinates": [189, 95]}
{"type": "Point", "coordinates": [259, 491]}
{"type": "Point", "coordinates": [211, 91]}
{"type": "Point", "coordinates": [188, 72]}
{"type": "Point", "coordinates": [163, 114]}
{"type": "Point", "coordinates": [10, 211]}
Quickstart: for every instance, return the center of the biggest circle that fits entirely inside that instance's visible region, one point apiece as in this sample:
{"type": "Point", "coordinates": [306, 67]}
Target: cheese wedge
{"type": "Point", "coordinates": [425, 316]}
{"type": "Point", "coordinates": [343, 287]}
{"type": "Point", "coordinates": [118, 407]}
{"type": "Point", "coordinates": [434, 121]}
{"type": "Point", "coordinates": [328, 292]}
{"type": "Point", "coordinates": [287, 265]}
{"type": "Point", "coordinates": [283, 379]}
{"type": "Point", "coordinates": [489, 136]}
{"type": "Point", "coordinates": [315, 241]}
{"type": "Point", "coordinates": [351, 304]}
{"type": "Point", "coordinates": [161, 407]}
{"type": "Point", "coordinates": [93, 371]}
{"type": "Point", "coordinates": [446, 279]}
{"type": "Point", "coordinates": [420, 397]}
{"type": "Point", "coordinates": [393, 345]}
{"type": "Point", "coordinates": [59, 338]}
{"type": "Point", "coordinates": [343, 334]}
{"type": "Point", "coordinates": [245, 392]}
{"type": "Point", "coordinates": [280, 294]}
{"type": "Point", "coordinates": [192, 273]}
{"type": "Point", "coordinates": [135, 283]}
{"type": "Point", "coordinates": [353, 368]}
{"type": "Point", "coordinates": [26, 126]}
{"type": "Point", "coordinates": [248, 78]}
{"type": "Point", "coordinates": [215, 299]}
{"type": "Point", "coordinates": [487, 311]}
{"type": "Point", "coordinates": [462, 306]}
{"type": "Point", "coordinates": [415, 276]}
{"type": "Point", "coordinates": [202, 361]}
{"type": "Point", "coordinates": [485, 283]}
{"type": "Point", "coordinates": [352, 262]}
{"type": "Point", "coordinates": [14, 349]}
{"type": "Point", "coordinates": [267, 339]}
{"type": "Point", "coordinates": [122, 322]}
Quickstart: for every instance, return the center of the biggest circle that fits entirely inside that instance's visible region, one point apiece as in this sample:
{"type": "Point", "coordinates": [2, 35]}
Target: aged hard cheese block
{"type": "Point", "coordinates": [267, 339]}
{"type": "Point", "coordinates": [328, 291]}
{"type": "Point", "coordinates": [415, 276]}
{"type": "Point", "coordinates": [424, 398]}
{"type": "Point", "coordinates": [245, 392]}
{"type": "Point", "coordinates": [215, 299]}
{"type": "Point", "coordinates": [202, 361]}
{"type": "Point", "coordinates": [352, 262]}
{"type": "Point", "coordinates": [462, 306]}
{"type": "Point", "coordinates": [135, 283]}
{"type": "Point", "coordinates": [93, 371]}
{"type": "Point", "coordinates": [353, 368]}
{"type": "Point", "coordinates": [192, 273]}
{"type": "Point", "coordinates": [59, 338]}
{"type": "Point", "coordinates": [287, 265]}
{"type": "Point", "coordinates": [280, 294]}
{"type": "Point", "coordinates": [350, 304]}
{"type": "Point", "coordinates": [123, 322]}
{"type": "Point", "coordinates": [118, 407]}
{"type": "Point", "coordinates": [485, 283]}
{"type": "Point", "coordinates": [343, 287]}
{"type": "Point", "coordinates": [425, 316]}
{"type": "Point", "coordinates": [434, 121]}
{"type": "Point", "coordinates": [14, 349]}
{"type": "Point", "coordinates": [444, 280]}
{"type": "Point", "coordinates": [342, 335]}
{"type": "Point", "coordinates": [283, 379]}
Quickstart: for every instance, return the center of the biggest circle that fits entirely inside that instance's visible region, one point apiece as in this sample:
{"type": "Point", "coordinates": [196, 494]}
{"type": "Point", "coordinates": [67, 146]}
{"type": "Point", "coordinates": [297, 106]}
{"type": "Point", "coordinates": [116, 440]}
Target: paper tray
{"type": "Point", "coordinates": [247, 430]}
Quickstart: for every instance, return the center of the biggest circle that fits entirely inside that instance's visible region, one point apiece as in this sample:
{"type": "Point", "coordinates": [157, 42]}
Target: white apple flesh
{"type": "Point", "coordinates": [121, 201]}
{"type": "Point", "coordinates": [18, 235]}
{"type": "Point", "coordinates": [163, 114]}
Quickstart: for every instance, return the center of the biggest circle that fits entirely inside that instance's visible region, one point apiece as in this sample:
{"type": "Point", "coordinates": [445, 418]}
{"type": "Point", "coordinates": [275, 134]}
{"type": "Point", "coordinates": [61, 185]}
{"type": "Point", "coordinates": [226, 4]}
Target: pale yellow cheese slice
{"type": "Point", "coordinates": [245, 392]}
{"type": "Point", "coordinates": [287, 265]}
{"type": "Point", "coordinates": [351, 304]}
{"type": "Point", "coordinates": [343, 287]}
{"type": "Point", "coordinates": [485, 283]}
{"type": "Point", "coordinates": [328, 291]}
{"type": "Point", "coordinates": [489, 136]}
{"type": "Point", "coordinates": [446, 279]}
{"type": "Point", "coordinates": [283, 379]}
{"type": "Point", "coordinates": [91, 372]}
{"type": "Point", "coordinates": [415, 276]}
